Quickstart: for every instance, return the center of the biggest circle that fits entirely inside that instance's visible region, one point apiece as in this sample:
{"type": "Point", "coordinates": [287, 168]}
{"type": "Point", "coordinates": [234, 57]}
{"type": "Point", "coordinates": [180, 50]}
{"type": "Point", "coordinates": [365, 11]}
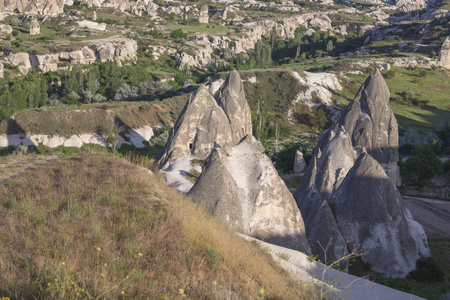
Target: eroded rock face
{"type": "Point", "coordinates": [203, 16]}
{"type": "Point", "coordinates": [370, 213]}
{"type": "Point", "coordinates": [322, 231]}
{"type": "Point", "coordinates": [444, 56]}
{"type": "Point", "coordinates": [354, 169]}
{"type": "Point", "coordinates": [241, 187]}
{"type": "Point", "coordinates": [43, 7]}
{"type": "Point", "coordinates": [231, 98]}
{"type": "Point", "coordinates": [202, 124]}
{"type": "Point", "coordinates": [206, 122]}
{"type": "Point", "coordinates": [299, 163]}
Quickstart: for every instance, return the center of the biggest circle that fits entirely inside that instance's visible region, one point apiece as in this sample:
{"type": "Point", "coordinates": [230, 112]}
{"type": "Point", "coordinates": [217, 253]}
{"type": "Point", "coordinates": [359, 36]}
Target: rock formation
{"type": "Point", "coordinates": [240, 186]}
{"type": "Point", "coordinates": [371, 214]}
{"type": "Point", "coordinates": [299, 163]}
{"type": "Point", "coordinates": [354, 171]}
{"type": "Point", "coordinates": [109, 50]}
{"type": "Point", "coordinates": [94, 16]}
{"type": "Point", "coordinates": [35, 28]}
{"type": "Point", "coordinates": [231, 98]}
{"type": "Point", "coordinates": [203, 16]}
{"type": "Point", "coordinates": [205, 122]}
{"type": "Point", "coordinates": [444, 56]}
{"type": "Point", "coordinates": [30, 7]}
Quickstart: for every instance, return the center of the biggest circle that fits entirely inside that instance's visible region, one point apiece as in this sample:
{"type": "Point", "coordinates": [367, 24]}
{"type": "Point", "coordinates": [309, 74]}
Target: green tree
{"type": "Point", "coordinates": [421, 166]}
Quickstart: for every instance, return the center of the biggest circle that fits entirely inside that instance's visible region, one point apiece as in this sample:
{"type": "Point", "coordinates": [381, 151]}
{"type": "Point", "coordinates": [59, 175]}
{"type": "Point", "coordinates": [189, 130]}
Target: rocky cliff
{"type": "Point", "coordinates": [117, 49]}
{"type": "Point", "coordinates": [29, 7]}
{"type": "Point", "coordinates": [354, 169]}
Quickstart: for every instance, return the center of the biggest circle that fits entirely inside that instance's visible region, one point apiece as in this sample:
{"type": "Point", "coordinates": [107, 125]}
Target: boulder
{"type": "Point", "coordinates": [5, 28]}
{"type": "Point", "coordinates": [371, 215]}
{"type": "Point", "coordinates": [240, 186]}
{"type": "Point", "coordinates": [444, 56]}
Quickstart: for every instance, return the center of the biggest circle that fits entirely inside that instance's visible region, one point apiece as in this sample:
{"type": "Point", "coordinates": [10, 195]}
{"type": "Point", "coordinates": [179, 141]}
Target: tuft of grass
{"type": "Point", "coordinates": [96, 226]}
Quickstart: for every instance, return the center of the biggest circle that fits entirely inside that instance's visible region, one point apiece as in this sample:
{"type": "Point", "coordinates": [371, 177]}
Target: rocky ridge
{"type": "Point", "coordinates": [115, 49]}
{"type": "Point", "coordinates": [362, 144]}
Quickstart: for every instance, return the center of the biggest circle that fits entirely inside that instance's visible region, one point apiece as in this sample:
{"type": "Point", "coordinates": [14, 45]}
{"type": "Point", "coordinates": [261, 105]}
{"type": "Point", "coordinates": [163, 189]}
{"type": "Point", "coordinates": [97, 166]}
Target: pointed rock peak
{"type": "Point", "coordinates": [249, 144]}
{"type": "Point", "coordinates": [232, 85]}
{"type": "Point", "coordinates": [374, 89]}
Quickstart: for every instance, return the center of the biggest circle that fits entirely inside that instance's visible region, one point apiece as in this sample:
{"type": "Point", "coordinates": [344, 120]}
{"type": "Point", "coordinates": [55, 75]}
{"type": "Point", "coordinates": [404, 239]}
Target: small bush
{"type": "Point", "coordinates": [427, 270]}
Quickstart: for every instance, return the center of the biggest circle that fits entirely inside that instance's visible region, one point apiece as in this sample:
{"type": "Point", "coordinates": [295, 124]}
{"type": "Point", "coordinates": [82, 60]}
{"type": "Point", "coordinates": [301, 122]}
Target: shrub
{"type": "Point", "coordinates": [15, 22]}
{"type": "Point", "coordinates": [421, 166]}
{"type": "Point", "coordinates": [178, 34]}
{"type": "Point", "coordinates": [427, 270]}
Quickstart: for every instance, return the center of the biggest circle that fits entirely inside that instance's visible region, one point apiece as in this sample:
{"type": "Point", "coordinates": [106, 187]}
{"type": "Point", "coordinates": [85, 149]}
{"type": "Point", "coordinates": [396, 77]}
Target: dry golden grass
{"type": "Point", "coordinates": [96, 226]}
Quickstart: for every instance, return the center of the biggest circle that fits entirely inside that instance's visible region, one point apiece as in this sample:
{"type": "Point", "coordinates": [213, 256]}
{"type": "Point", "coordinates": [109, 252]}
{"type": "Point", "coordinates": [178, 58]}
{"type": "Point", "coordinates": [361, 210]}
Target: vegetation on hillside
{"type": "Point", "coordinates": [96, 226]}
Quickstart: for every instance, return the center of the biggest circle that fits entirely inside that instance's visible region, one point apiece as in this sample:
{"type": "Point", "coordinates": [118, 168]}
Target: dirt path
{"type": "Point", "coordinates": [17, 165]}
{"type": "Point", "coordinates": [433, 215]}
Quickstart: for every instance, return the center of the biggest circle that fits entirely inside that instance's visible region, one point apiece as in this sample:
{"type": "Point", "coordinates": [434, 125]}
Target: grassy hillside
{"type": "Point", "coordinates": [96, 226]}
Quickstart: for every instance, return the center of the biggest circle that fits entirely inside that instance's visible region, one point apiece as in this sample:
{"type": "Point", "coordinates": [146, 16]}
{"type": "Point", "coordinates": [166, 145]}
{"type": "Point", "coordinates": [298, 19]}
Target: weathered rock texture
{"type": "Point", "coordinates": [43, 7]}
{"type": "Point", "coordinates": [299, 163]}
{"type": "Point", "coordinates": [107, 50]}
{"type": "Point", "coordinates": [203, 16]}
{"type": "Point", "coordinates": [240, 186]}
{"type": "Point", "coordinates": [371, 214]}
{"type": "Point", "coordinates": [206, 122]}
{"type": "Point", "coordinates": [35, 28]}
{"type": "Point", "coordinates": [365, 192]}
{"type": "Point", "coordinates": [444, 56]}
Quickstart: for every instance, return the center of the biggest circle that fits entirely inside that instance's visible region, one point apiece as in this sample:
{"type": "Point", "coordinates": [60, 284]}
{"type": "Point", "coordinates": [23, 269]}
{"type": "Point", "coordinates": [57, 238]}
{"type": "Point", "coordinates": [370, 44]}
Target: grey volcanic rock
{"type": "Point", "coordinates": [241, 187]}
{"type": "Point", "coordinates": [368, 209]}
{"type": "Point", "coordinates": [329, 166]}
{"type": "Point", "coordinates": [444, 56]}
{"type": "Point", "coordinates": [323, 234]}
{"type": "Point", "coordinates": [206, 122]}
{"type": "Point", "coordinates": [202, 124]}
{"type": "Point", "coordinates": [371, 214]}
{"type": "Point", "coordinates": [370, 124]}
{"type": "Point", "coordinates": [231, 98]}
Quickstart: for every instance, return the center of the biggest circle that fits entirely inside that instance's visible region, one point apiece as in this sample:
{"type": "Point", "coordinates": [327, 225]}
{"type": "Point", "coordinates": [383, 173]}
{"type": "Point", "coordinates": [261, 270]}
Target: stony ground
{"type": "Point", "coordinates": [433, 215]}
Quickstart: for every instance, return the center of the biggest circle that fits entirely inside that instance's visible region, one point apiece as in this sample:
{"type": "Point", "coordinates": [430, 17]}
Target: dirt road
{"type": "Point", "coordinates": [433, 215]}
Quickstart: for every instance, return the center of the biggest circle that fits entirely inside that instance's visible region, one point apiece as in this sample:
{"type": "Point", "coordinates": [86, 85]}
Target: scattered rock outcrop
{"type": "Point", "coordinates": [444, 56]}
{"type": "Point", "coordinates": [354, 170]}
{"type": "Point", "coordinates": [43, 7]}
{"type": "Point", "coordinates": [107, 50]}
{"type": "Point", "coordinates": [240, 186]}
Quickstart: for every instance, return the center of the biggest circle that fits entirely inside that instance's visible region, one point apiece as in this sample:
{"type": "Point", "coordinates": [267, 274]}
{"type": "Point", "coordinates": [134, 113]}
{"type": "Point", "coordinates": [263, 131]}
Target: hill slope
{"type": "Point", "coordinates": [95, 225]}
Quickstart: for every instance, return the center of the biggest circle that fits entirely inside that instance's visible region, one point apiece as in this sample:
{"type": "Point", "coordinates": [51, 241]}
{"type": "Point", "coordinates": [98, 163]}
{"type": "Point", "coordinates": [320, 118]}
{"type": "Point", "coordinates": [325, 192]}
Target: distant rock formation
{"type": "Point", "coordinates": [444, 56]}
{"type": "Point", "coordinates": [109, 50]}
{"type": "Point", "coordinates": [240, 186]}
{"type": "Point", "coordinates": [299, 163]}
{"type": "Point", "coordinates": [203, 16]}
{"type": "Point", "coordinates": [35, 28]}
{"type": "Point", "coordinates": [30, 7]}
{"type": "Point", "coordinates": [350, 182]}
{"type": "Point", "coordinates": [206, 122]}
